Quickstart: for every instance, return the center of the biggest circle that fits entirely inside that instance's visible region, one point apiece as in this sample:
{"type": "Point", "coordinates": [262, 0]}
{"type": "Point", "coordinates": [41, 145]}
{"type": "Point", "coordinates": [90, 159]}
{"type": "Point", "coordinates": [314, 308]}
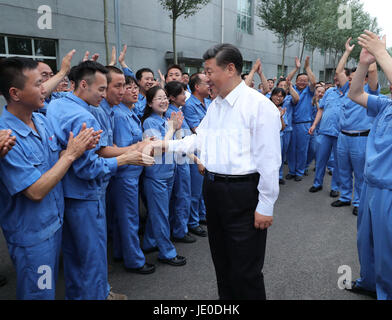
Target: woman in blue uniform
{"type": "Point", "coordinates": [180, 202]}
{"type": "Point", "coordinates": [124, 192]}
{"type": "Point", "coordinates": [158, 181]}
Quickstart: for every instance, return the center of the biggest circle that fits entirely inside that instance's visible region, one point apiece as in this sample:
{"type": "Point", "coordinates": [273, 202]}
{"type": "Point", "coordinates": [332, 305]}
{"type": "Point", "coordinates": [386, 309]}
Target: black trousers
{"type": "Point", "coordinates": [237, 247]}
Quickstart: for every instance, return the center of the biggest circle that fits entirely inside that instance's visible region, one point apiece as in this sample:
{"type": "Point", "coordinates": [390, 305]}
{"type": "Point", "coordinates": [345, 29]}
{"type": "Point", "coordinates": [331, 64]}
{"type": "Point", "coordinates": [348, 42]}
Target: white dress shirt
{"type": "Point", "coordinates": [240, 135]}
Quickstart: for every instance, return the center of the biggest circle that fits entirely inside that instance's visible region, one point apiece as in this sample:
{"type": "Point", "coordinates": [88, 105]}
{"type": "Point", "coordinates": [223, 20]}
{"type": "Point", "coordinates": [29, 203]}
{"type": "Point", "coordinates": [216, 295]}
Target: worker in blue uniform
{"type": "Point", "coordinates": [302, 120]}
{"type": "Point", "coordinates": [289, 104]}
{"type": "Point", "coordinates": [355, 125]}
{"type": "Point", "coordinates": [158, 181]}
{"type": "Point", "coordinates": [374, 216]}
{"type": "Point", "coordinates": [194, 111]}
{"type": "Point", "coordinates": [180, 202]}
{"type": "Point", "coordinates": [31, 194]}
{"type": "Point", "coordinates": [328, 117]}
{"type": "Point", "coordinates": [84, 233]}
{"type": "Point", "coordinates": [124, 191]}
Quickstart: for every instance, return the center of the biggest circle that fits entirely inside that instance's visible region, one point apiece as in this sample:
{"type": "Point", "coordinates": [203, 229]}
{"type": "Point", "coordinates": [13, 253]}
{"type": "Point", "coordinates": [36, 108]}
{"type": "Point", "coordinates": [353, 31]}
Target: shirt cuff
{"type": "Point", "coordinates": [112, 165]}
{"type": "Point", "coordinates": [265, 209]}
{"type": "Point", "coordinates": [372, 106]}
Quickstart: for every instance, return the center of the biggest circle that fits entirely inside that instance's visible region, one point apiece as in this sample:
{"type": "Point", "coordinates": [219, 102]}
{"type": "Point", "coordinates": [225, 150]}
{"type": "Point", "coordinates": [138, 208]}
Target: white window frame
{"type": "Point", "coordinates": [245, 16]}
{"type": "Point", "coordinates": [33, 56]}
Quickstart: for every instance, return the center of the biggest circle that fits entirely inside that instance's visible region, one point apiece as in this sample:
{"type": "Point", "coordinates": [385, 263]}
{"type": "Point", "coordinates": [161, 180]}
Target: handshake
{"type": "Point", "coordinates": [143, 152]}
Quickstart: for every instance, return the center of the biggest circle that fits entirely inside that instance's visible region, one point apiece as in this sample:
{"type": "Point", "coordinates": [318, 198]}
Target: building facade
{"type": "Point", "coordinates": [48, 29]}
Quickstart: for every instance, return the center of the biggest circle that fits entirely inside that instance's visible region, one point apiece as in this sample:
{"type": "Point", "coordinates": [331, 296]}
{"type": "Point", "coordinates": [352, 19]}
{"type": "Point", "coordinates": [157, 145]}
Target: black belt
{"type": "Point", "coordinates": [303, 122]}
{"type": "Point", "coordinates": [230, 178]}
{"type": "Point", "coordinates": [359, 134]}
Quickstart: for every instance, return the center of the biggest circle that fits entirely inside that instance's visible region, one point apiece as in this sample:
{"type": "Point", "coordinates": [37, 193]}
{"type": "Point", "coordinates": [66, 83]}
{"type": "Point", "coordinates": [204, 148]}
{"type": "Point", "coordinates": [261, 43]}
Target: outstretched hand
{"type": "Point", "coordinates": [349, 48]}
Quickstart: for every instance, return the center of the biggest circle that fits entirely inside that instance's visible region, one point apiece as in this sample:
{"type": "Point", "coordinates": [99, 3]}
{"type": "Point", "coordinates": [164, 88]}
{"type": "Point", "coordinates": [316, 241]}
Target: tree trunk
{"type": "Point", "coordinates": [175, 60]}
{"type": "Point", "coordinates": [283, 55]}
{"type": "Point", "coordinates": [105, 29]}
{"type": "Point", "coordinates": [303, 49]}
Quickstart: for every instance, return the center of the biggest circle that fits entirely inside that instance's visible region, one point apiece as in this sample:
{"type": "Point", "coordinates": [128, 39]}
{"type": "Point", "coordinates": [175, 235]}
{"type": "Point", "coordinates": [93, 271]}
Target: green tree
{"type": "Point", "coordinates": [284, 18]}
{"type": "Point", "coordinates": [178, 8]}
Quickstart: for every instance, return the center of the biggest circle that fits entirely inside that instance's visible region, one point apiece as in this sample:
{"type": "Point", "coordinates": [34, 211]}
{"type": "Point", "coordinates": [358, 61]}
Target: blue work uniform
{"type": "Point", "coordinates": [84, 232]}
{"type": "Point", "coordinates": [285, 136]}
{"type": "Point", "coordinates": [313, 146]}
{"type": "Point", "coordinates": [158, 185]}
{"type": "Point", "coordinates": [329, 130]}
{"type": "Point", "coordinates": [300, 139]}
{"type": "Point", "coordinates": [32, 229]}
{"type": "Point", "coordinates": [194, 112]}
{"type": "Point", "coordinates": [53, 96]}
{"type": "Point", "coordinates": [124, 192]}
{"type": "Point", "coordinates": [105, 117]}
{"type": "Point", "coordinates": [351, 149]}
{"type": "Point", "coordinates": [140, 105]}
{"type": "Point", "coordinates": [374, 213]}
{"type": "Point", "coordinates": [180, 202]}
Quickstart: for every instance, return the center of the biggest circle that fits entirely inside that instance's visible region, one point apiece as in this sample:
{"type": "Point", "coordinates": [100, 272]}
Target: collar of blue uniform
{"type": "Point", "coordinates": [158, 118]}
{"type": "Point", "coordinates": [76, 99]}
{"type": "Point", "coordinates": [107, 108]}
{"type": "Point", "coordinates": [18, 125]}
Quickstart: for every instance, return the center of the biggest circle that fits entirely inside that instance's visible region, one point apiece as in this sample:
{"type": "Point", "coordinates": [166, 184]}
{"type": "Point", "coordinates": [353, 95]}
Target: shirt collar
{"type": "Point", "coordinates": [18, 125]}
{"type": "Point", "coordinates": [232, 97]}
{"type": "Point", "coordinates": [77, 100]}
{"type": "Point", "coordinates": [106, 107]}
{"type": "Point", "coordinates": [158, 118]}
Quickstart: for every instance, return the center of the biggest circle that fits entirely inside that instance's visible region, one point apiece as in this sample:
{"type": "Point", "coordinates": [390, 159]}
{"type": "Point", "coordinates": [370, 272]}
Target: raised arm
{"type": "Point", "coordinates": [377, 47]}
{"type": "Point", "coordinates": [53, 82]}
{"type": "Point", "coordinates": [263, 79]}
{"type": "Point", "coordinates": [294, 94]}
{"type": "Point", "coordinates": [340, 72]}
{"type": "Point", "coordinates": [357, 93]}
{"type": "Point", "coordinates": [294, 71]}
{"type": "Point", "coordinates": [251, 75]}
{"type": "Point", "coordinates": [312, 78]}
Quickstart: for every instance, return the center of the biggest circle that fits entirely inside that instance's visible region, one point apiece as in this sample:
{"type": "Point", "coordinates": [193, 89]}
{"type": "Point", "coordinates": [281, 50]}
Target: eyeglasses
{"type": "Point", "coordinates": [160, 99]}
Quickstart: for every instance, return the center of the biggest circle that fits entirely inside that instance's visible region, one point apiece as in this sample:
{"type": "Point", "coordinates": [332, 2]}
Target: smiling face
{"type": "Point", "coordinates": [180, 100]}
{"type": "Point", "coordinates": [147, 81]}
{"type": "Point", "coordinates": [160, 103]}
{"type": "Point", "coordinates": [131, 94]}
{"type": "Point", "coordinates": [94, 92]}
{"type": "Point", "coordinates": [277, 99]}
{"type": "Point", "coordinates": [302, 82]}
{"type": "Point", "coordinates": [115, 91]}
{"type": "Point", "coordinates": [174, 74]}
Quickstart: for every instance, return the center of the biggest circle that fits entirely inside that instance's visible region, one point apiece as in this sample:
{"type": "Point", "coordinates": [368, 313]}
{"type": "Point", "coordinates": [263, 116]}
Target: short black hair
{"type": "Point", "coordinates": [302, 74]}
{"type": "Point", "coordinates": [225, 54]}
{"type": "Point", "coordinates": [86, 71]}
{"type": "Point", "coordinates": [277, 91]}
{"type": "Point", "coordinates": [112, 69]}
{"type": "Point", "coordinates": [71, 75]}
{"type": "Point", "coordinates": [11, 73]}
{"type": "Point", "coordinates": [194, 81]}
{"type": "Point", "coordinates": [174, 88]}
{"type": "Point", "coordinates": [174, 66]}
{"type": "Point", "coordinates": [129, 80]}
{"type": "Point", "coordinates": [244, 75]}
{"type": "Point", "coordinates": [139, 73]}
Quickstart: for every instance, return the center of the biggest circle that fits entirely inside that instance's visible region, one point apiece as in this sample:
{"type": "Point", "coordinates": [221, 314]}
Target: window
{"type": "Point", "coordinates": [321, 77]}
{"type": "Point", "coordinates": [245, 16]}
{"type": "Point", "coordinates": [37, 49]}
{"type": "Point", "coordinates": [282, 72]}
{"type": "Point", "coordinates": [247, 66]}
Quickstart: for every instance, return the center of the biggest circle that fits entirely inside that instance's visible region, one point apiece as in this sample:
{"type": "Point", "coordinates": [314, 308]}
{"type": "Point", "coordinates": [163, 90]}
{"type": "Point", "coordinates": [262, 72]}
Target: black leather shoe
{"type": "Point", "coordinates": [315, 189]}
{"type": "Point", "coordinates": [306, 173]}
{"type": "Point", "coordinates": [330, 172]}
{"type": "Point", "coordinates": [334, 194]}
{"type": "Point", "coordinates": [146, 269]}
{"type": "Point", "coordinates": [290, 177]}
{"type": "Point", "coordinates": [153, 249]}
{"type": "Point", "coordinates": [359, 290]}
{"type": "Point", "coordinates": [298, 179]}
{"type": "Point", "coordinates": [339, 203]}
{"type": "Point", "coordinates": [282, 182]}
{"type": "Point", "coordinates": [176, 261]}
{"type": "Point", "coordinates": [3, 281]}
{"type": "Point", "coordinates": [187, 239]}
{"type": "Point", "coordinates": [199, 231]}
{"type": "Point", "coordinates": [203, 222]}
{"type": "Point", "coordinates": [355, 211]}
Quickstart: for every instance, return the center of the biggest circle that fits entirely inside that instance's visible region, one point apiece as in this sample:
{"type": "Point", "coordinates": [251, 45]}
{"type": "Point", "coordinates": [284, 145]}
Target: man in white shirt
{"type": "Point", "coordinates": [239, 143]}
